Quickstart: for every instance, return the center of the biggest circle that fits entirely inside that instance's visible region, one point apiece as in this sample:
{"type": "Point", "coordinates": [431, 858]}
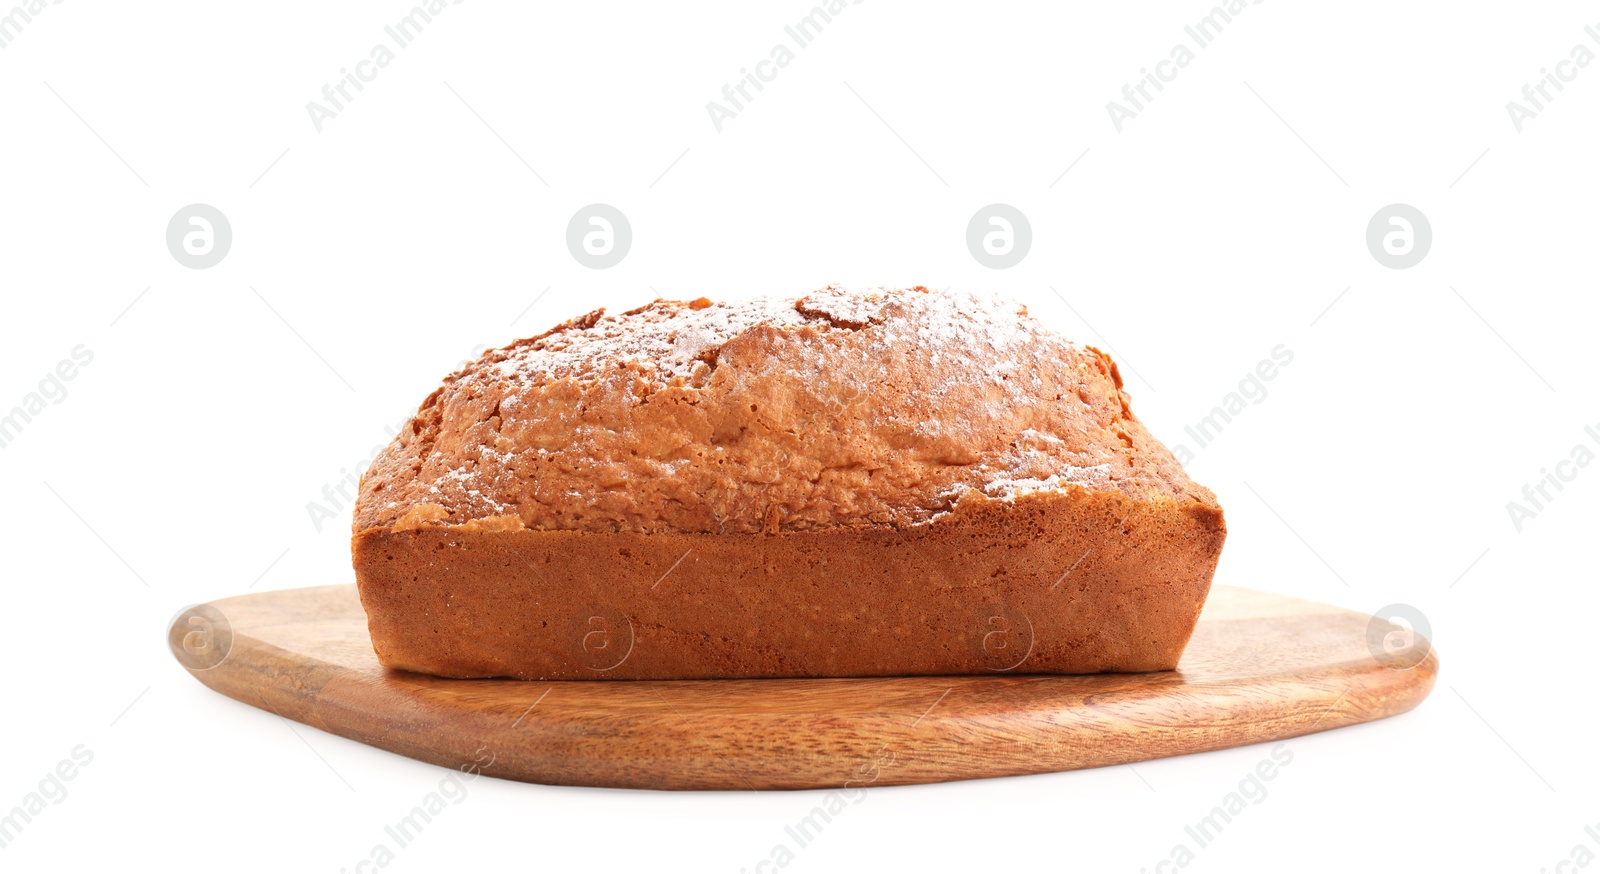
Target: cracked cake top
{"type": "Point", "coordinates": [837, 409]}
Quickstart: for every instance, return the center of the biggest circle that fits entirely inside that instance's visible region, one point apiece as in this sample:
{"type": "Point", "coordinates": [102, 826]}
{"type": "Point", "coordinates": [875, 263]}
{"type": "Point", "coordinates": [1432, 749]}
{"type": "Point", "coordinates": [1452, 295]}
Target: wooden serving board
{"type": "Point", "coordinates": [1260, 667]}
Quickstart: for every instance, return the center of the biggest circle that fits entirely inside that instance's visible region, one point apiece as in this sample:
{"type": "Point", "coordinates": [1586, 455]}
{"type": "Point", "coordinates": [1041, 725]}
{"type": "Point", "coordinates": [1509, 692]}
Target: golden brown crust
{"type": "Point", "coordinates": [896, 482]}
{"type": "Point", "coordinates": [834, 410]}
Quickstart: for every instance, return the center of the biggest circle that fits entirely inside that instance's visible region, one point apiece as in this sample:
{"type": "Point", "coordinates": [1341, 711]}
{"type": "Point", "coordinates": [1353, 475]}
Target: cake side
{"type": "Point", "coordinates": [1066, 581]}
{"type": "Point", "coordinates": [831, 410]}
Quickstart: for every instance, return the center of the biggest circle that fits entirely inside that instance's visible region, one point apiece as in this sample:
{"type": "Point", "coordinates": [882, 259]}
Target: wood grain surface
{"type": "Point", "coordinates": [1260, 667]}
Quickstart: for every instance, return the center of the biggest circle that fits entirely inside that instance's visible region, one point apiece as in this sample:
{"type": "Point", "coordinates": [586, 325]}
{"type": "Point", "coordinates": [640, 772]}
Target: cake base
{"type": "Point", "coordinates": [1259, 667]}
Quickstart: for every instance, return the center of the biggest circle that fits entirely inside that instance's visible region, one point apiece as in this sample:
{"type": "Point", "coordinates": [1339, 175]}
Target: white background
{"type": "Point", "coordinates": [410, 232]}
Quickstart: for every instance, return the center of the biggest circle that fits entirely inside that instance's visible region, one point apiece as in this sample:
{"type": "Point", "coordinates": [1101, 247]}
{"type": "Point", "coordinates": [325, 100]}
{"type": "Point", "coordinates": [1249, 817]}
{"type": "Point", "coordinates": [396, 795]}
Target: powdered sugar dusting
{"type": "Point", "coordinates": [846, 308]}
{"type": "Point", "coordinates": [669, 336]}
{"type": "Point", "coordinates": [1007, 488]}
{"type": "Point", "coordinates": [673, 338]}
